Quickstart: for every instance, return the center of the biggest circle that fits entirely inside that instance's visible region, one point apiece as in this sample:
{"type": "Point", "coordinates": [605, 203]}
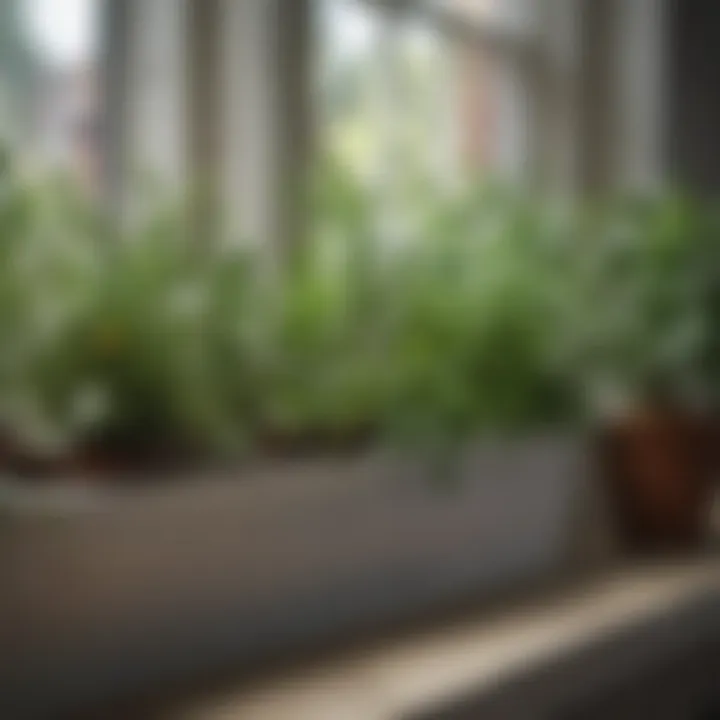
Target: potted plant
{"type": "Point", "coordinates": [638, 314]}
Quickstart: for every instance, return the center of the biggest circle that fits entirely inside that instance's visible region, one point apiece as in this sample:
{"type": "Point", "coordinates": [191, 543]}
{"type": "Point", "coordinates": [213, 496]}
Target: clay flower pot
{"type": "Point", "coordinates": [658, 463]}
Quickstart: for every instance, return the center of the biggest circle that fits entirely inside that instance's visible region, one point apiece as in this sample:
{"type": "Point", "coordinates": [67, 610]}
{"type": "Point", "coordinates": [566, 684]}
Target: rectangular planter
{"type": "Point", "coordinates": [144, 588]}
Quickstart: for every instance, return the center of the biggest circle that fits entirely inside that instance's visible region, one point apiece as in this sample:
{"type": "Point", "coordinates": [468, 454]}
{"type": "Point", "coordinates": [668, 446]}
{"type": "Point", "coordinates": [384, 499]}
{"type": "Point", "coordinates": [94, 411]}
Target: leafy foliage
{"type": "Point", "coordinates": [640, 282]}
{"type": "Point", "coordinates": [496, 314]}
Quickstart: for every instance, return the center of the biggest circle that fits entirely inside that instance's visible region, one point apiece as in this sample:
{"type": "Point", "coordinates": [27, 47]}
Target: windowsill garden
{"type": "Point", "coordinates": [397, 425]}
{"type": "Point", "coordinates": [153, 350]}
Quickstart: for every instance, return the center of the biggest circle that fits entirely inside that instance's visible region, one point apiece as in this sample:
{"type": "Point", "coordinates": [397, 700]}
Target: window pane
{"type": "Point", "coordinates": [49, 92]}
{"type": "Point", "coordinates": [350, 33]}
{"type": "Point", "coordinates": [400, 98]}
{"type": "Point", "coordinates": [515, 15]}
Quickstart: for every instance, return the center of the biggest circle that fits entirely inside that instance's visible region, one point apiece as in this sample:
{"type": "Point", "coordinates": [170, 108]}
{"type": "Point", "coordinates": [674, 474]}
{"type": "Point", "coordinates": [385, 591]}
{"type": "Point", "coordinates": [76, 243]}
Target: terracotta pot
{"type": "Point", "coordinates": [658, 463]}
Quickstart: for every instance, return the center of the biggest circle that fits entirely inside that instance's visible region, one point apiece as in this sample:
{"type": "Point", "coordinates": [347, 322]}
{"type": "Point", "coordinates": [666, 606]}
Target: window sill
{"type": "Point", "coordinates": [528, 662]}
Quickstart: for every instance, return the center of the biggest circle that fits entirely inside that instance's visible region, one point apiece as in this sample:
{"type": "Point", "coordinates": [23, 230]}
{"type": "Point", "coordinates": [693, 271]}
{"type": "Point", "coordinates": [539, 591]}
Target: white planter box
{"type": "Point", "coordinates": [150, 586]}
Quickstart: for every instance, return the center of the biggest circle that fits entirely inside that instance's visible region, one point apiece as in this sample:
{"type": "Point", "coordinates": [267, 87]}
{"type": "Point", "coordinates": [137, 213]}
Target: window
{"type": "Point", "coordinates": [49, 90]}
{"type": "Point", "coordinates": [436, 91]}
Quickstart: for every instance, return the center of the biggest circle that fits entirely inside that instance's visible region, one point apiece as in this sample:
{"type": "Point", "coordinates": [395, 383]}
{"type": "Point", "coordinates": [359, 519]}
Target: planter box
{"type": "Point", "coordinates": [149, 587]}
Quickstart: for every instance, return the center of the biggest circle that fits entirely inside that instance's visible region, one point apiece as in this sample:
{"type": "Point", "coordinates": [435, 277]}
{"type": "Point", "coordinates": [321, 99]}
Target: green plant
{"type": "Point", "coordinates": [136, 341]}
{"type": "Point", "coordinates": [327, 371]}
{"type": "Point", "coordinates": [495, 313]}
{"type": "Point", "coordinates": [477, 327]}
{"type": "Point", "coordinates": [48, 259]}
{"type": "Point", "coordinates": [637, 315]}
{"type": "Point", "coordinates": [165, 342]}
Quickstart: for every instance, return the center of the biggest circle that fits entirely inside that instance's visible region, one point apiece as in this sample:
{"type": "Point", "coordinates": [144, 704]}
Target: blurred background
{"type": "Point", "coordinates": [322, 317]}
{"type": "Point", "coordinates": [535, 92]}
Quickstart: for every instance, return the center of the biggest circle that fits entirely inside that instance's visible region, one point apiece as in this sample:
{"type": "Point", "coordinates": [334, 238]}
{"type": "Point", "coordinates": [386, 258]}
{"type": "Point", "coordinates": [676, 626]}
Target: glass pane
{"type": "Point", "coordinates": [517, 15]}
{"type": "Point", "coordinates": [346, 72]}
{"type": "Point", "coordinates": [49, 93]}
{"type": "Point", "coordinates": [401, 100]}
